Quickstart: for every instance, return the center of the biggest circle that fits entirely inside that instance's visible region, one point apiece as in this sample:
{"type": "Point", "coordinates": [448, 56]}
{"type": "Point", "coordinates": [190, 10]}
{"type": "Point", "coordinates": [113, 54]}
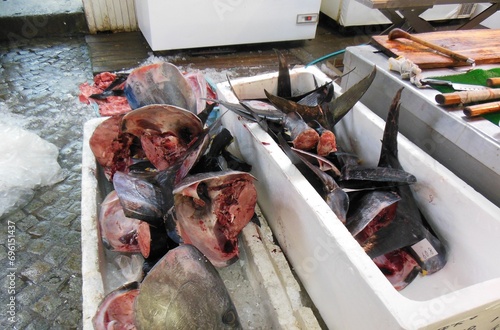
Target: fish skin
{"type": "Point", "coordinates": [139, 198]}
{"type": "Point", "coordinates": [369, 178]}
{"type": "Point", "coordinates": [184, 291]}
{"type": "Point", "coordinates": [325, 185]}
{"type": "Point", "coordinates": [324, 164]}
{"type": "Point", "coordinates": [118, 231]}
{"type": "Point", "coordinates": [318, 96]}
{"type": "Point", "coordinates": [308, 113]}
{"type": "Point", "coordinates": [370, 205]}
{"type": "Point", "coordinates": [159, 83]}
{"type": "Point", "coordinates": [242, 109]}
{"type": "Point", "coordinates": [298, 162]}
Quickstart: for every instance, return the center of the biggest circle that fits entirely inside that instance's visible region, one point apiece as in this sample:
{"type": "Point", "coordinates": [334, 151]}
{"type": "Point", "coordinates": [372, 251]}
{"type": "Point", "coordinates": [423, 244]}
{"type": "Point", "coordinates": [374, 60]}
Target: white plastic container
{"type": "Point", "coordinates": [261, 284]}
{"type": "Point", "coordinates": [348, 289]}
{"type": "Point", "coordinates": [179, 24]}
{"type": "Point", "coordinates": [354, 13]}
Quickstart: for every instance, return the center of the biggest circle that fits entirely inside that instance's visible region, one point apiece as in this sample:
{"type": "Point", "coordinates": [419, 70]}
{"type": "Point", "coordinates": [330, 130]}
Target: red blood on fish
{"type": "Point", "coordinates": [111, 147]}
{"type": "Point", "coordinates": [399, 267]}
{"type": "Point", "coordinates": [326, 144]}
{"type": "Point", "coordinates": [162, 150]}
{"type": "Point", "coordinates": [104, 79]}
{"type": "Point", "coordinates": [144, 238]}
{"type": "Point", "coordinates": [306, 140]}
{"type": "Point", "coordinates": [118, 232]}
{"type": "Point", "coordinates": [112, 105]}
{"type": "Point", "coordinates": [212, 218]}
{"type": "Point", "coordinates": [116, 311]}
{"type": "Point", "coordinates": [381, 220]}
{"type": "Point", "coordinates": [153, 240]}
{"type": "Point", "coordinates": [200, 88]}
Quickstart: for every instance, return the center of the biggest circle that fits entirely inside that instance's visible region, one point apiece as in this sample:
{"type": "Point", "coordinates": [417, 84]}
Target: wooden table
{"type": "Point", "coordinates": [411, 10]}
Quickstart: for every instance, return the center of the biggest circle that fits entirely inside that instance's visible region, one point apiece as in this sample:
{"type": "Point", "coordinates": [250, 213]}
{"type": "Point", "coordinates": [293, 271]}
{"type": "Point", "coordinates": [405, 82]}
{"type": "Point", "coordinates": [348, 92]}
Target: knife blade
{"type": "Point", "coordinates": [455, 86]}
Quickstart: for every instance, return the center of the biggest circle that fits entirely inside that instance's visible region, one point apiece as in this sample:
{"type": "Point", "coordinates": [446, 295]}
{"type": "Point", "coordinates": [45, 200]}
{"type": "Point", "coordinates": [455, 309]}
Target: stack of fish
{"type": "Point", "coordinates": [178, 197]}
{"type": "Point", "coordinates": [376, 204]}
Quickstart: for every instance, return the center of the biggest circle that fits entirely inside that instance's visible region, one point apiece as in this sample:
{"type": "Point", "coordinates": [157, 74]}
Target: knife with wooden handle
{"type": "Point", "coordinates": [482, 109]}
{"type": "Point", "coordinates": [455, 86]}
{"type": "Point", "coordinates": [493, 82]}
{"type": "Point", "coordinates": [468, 96]}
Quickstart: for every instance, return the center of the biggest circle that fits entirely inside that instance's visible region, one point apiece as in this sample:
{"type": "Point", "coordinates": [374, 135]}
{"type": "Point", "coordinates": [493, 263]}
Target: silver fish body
{"type": "Point", "coordinates": [184, 291]}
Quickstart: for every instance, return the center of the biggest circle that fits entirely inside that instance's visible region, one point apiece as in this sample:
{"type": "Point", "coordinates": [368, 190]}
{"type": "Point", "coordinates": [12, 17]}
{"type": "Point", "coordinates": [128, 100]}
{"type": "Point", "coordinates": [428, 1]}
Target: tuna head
{"type": "Point", "coordinates": [116, 309]}
{"type": "Point", "coordinates": [184, 291]}
{"type": "Point", "coordinates": [211, 209]}
{"type": "Point", "coordinates": [165, 132]}
{"type": "Point", "coordinates": [111, 147]}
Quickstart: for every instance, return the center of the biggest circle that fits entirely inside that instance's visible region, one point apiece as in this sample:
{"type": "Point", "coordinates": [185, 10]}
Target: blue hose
{"type": "Point", "coordinates": [325, 57]}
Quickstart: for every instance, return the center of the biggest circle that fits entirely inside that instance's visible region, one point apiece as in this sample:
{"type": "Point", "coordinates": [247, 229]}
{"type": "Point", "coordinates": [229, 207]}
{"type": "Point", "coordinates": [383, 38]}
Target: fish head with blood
{"type": "Point", "coordinates": [166, 132]}
{"type": "Point", "coordinates": [211, 209]}
{"type": "Point", "coordinates": [116, 310]}
{"type": "Point", "coordinates": [111, 147]}
{"type": "Point", "coordinates": [118, 232]}
{"type": "Point", "coordinates": [184, 291]}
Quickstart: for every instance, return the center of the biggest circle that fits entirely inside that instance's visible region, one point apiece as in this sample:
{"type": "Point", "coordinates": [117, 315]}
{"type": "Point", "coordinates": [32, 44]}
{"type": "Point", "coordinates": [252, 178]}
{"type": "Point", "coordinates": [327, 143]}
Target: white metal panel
{"type": "Point", "coordinates": [492, 22]}
{"type": "Point", "coordinates": [170, 25]}
{"type": "Point", "coordinates": [353, 13]}
{"type": "Point", "coordinates": [110, 15]}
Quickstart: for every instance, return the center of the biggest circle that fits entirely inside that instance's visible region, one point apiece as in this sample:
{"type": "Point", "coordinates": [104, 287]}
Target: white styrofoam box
{"type": "Point", "coordinates": [492, 22]}
{"type": "Point", "coordinates": [261, 284]}
{"type": "Point", "coordinates": [355, 13]}
{"type": "Point", "coordinates": [349, 291]}
{"type": "Point", "coordinates": [168, 24]}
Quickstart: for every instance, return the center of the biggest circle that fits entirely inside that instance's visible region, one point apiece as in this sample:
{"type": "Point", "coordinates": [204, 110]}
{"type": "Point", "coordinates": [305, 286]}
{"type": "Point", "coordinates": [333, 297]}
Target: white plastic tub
{"type": "Point", "coordinates": [261, 284]}
{"type": "Point", "coordinates": [348, 289]}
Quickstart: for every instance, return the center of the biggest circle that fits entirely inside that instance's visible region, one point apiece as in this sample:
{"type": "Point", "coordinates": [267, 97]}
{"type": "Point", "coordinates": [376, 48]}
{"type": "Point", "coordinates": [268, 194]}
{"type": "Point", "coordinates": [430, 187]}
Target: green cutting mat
{"type": "Point", "coordinates": [474, 77]}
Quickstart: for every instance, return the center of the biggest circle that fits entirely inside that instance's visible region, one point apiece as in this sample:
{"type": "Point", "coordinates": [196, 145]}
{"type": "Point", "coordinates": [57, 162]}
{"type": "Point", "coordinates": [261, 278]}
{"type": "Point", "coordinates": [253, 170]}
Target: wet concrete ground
{"type": "Point", "coordinates": [39, 81]}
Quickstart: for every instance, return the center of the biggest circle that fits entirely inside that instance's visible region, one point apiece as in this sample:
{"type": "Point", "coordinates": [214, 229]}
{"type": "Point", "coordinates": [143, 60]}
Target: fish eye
{"type": "Point", "coordinates": [230, 317]}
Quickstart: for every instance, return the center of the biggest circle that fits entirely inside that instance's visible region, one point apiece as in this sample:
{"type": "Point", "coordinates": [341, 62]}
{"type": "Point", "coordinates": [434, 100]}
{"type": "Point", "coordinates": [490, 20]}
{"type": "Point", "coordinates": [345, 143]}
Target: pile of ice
{"type": "Point", "coordinates": [27, 162]}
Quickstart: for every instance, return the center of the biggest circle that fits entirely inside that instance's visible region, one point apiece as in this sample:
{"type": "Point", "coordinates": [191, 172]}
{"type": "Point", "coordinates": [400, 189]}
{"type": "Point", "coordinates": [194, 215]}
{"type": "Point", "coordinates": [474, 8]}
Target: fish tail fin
{"type": "Point", "coordinates": [284, 84]}
{"type": "Point", "coordinates": [390, 138]}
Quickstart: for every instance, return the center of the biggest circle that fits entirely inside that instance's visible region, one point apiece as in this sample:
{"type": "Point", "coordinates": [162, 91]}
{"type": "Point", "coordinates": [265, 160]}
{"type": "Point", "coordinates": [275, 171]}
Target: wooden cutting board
{"type": "Point", "coordinates": [482, 45]}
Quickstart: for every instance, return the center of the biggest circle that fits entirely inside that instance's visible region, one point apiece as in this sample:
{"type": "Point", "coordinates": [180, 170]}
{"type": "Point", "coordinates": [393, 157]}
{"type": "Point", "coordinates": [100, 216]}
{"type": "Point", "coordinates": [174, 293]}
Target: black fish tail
{"type": "Point", "coordinates": [389, 152]}
{"type": "Point", "coordinates": [284, 83]}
